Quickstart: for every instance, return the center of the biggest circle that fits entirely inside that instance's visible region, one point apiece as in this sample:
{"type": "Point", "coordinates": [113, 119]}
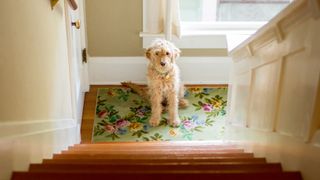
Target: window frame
{"type": "Point", "coordinates": [206, 35]}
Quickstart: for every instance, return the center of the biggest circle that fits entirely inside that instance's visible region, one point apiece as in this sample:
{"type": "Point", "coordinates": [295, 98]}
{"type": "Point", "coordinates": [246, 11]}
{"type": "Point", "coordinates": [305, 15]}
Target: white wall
{"type": "Point", "coordinates": [35, 109]}
{"type": "Point", "coordinates": [275, 90]}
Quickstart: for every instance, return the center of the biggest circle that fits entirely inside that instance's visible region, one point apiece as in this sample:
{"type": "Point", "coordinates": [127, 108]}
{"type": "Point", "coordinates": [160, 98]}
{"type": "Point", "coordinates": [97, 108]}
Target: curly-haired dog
{"type": "Point", "coordinates": [164, 91]}
{"type": "Point", "coordinates": [164, 83]}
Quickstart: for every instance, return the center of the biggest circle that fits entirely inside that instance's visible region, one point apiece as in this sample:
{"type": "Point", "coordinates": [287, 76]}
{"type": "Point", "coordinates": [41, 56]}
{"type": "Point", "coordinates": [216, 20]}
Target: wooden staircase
{"type": "Point", "coordinates": [155, 160]}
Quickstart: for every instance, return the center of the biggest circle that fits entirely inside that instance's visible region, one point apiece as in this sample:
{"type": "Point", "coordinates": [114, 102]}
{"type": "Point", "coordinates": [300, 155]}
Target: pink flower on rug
{"type": "Point", "coordinates": [187, 124]}
{"type": "Point", "coordinates": [122, 123]}
{"type": "Point", "coordinates": [207, 107]}
{"type": "Point", "coordinates": [110, 128]}
{"type": "Point", "coordinates": [140, 114]}
{"type": "Point", "coordinates": [103, 114]}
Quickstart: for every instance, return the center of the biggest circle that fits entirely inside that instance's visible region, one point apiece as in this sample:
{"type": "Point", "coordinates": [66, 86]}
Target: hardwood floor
{"type": "Point", "coordinates": [89, 109]}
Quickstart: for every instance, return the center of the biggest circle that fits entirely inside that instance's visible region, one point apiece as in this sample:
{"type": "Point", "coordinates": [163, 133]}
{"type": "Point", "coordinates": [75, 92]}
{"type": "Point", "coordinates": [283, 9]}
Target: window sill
{"type": "Point", "coordinates": [218, 35]}
{"type": "Point", "coordinates": [194, 41]}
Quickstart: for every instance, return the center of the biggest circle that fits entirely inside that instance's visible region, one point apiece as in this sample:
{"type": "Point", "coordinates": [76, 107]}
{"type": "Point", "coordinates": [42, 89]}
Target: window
{"type": "Point", "coordinates": [214, 23]}
{"type": "Point", "coordinates": [230, 10]}
{"type": "Point", "coordinates": [235, 19]}
{"type": "Point", "coordinates": [212, 16]}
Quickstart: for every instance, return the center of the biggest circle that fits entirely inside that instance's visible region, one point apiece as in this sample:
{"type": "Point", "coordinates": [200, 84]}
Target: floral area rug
{"type": "Point", "coordinates": [122, 115]}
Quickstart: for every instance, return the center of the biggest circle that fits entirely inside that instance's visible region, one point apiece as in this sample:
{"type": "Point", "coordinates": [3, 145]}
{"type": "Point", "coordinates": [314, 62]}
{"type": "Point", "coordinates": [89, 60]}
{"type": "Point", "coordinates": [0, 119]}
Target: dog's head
{"type": "Point", "coordinates": [162, 55]}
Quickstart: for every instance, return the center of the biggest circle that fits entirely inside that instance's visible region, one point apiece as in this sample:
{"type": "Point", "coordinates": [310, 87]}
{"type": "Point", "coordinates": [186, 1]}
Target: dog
{"type": "Point", "coordinates": [164, 85]}
{"type": "Point", "coordinates": [164, 89]}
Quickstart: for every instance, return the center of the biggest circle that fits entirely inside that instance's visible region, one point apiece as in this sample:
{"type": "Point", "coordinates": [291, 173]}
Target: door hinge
{"type": "Point", "coordinates": [84, 55]}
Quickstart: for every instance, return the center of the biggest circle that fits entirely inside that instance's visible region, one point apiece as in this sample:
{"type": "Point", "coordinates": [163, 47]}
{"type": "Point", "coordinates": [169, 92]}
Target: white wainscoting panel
{"type": "Point", "coordinates": [239, 101]}
{"type": "Point", "coordinates": [284, 103]}
{"type": "Point", "coordinates": [297, 94]}
{"type": "Point", "coordinates": [263, 96]}
{"type": "Point", "coordinates": [194, 70]}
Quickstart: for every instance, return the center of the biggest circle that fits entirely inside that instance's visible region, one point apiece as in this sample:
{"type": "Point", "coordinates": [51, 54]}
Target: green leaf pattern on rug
{"type": "Point", "coordinates": [122, 115]}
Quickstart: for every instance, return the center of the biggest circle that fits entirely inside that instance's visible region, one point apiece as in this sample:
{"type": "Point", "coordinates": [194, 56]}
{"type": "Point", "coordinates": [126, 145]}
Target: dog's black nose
{"type": "Point", "coordinates": [162, 63]}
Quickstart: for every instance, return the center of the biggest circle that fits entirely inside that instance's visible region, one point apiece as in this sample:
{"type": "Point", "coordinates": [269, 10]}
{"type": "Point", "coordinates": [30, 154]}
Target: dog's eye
{"type": "Point", "coordinates": [167, 53]}
{"type": "Point", "coordinates": [157, 53]}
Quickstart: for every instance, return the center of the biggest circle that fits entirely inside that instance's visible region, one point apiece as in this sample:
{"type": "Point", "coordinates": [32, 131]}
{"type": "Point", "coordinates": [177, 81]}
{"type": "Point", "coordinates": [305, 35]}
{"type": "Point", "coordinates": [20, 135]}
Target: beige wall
{"type": "Point", "coordinates": [35, 102]}
{"type": "Point", "coordinates": [113, 28]}
{"type": "Point", "coordinates": [34, 73]}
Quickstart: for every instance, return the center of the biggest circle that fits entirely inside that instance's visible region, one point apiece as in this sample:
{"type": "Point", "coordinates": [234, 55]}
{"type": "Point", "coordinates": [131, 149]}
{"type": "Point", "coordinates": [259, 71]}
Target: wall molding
{"type": "Point", "coordinates": [277, 29]}
{"type": "Point", "coordinates": [194, 70]}
{"type": "Point", "coordinates": [14, 129]}
{"type": "Point", "coordinates": [30, 141]}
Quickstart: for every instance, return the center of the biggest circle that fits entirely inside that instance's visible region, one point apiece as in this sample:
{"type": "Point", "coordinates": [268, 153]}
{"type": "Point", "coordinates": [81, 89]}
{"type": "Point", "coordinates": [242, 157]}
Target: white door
{"type": "Point", "coordinates": [76, 36]}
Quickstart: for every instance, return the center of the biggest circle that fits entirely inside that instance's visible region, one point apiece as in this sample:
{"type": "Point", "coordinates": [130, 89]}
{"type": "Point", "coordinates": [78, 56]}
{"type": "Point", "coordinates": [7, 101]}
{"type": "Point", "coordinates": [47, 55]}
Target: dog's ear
{"type": "Point", "coordinates": [176, 52]}
{"type": "Point", "coordinates": [148, 53]}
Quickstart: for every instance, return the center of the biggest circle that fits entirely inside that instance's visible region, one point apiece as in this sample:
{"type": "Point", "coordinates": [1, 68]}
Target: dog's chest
{"type": "Point", "coordinates": [165, 83]}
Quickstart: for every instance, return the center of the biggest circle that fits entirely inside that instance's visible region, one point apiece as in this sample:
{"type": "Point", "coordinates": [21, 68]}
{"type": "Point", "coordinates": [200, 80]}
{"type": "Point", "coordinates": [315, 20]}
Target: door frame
{"type": "Point", "coordinates": [77, 107]}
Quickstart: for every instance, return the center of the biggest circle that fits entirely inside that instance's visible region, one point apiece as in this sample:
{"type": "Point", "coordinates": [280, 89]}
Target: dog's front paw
{"type": "Point", "coordinates": [154, 122]}
{"type": "Point", "coordinates": [175, 123]}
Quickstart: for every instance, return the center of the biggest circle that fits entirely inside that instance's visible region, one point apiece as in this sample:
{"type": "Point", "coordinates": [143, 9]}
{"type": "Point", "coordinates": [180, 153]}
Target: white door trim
{"type": "Point", "coordinates": [78, 80]}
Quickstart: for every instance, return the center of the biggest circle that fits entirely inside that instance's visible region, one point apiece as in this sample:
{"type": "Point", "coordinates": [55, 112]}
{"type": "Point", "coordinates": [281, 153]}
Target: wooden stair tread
{"type": "Point", "coordinates": [155, 176]}
{"type": "Point", "coordinates": [194, 144]}
{"type": "Point", "coordinates": [127, 147]}
{"type": "Point", "coordinates": [152, 151]}
{"type": "Point", "coordinates": [157, 161]}
{"type": "Point", "coordinates": [152, 156]}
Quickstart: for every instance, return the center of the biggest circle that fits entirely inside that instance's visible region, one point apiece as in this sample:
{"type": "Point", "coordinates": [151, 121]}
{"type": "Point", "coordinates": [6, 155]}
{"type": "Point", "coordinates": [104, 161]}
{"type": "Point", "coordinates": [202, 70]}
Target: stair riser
{"type": "Point", "coordinates": [156, 168]}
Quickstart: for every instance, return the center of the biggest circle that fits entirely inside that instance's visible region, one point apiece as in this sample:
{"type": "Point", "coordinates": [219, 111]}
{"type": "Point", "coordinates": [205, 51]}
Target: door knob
{"type": "Point", "coordinates": [76, 24]}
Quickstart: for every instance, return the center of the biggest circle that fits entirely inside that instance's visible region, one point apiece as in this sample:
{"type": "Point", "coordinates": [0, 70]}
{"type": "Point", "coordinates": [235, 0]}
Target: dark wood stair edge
{"type": "Point", "coordinates": [273, 167]}
{"type": "Point", "coordinates": [155, 161]}
{"type": "Point", "coordinates": [221, 176]}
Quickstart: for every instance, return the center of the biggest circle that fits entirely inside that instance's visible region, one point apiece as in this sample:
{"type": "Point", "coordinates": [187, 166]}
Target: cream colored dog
{"type": "Point", "coordinates": [164, 81]}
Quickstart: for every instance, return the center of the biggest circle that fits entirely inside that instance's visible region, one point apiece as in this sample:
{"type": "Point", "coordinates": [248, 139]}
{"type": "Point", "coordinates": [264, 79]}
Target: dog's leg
{"type": "Point", "coordinates": [173, 102]}
{"type": "Point", "coordinates": [156, 107]}
{"type": "Point", "coordinates": [183, 103]}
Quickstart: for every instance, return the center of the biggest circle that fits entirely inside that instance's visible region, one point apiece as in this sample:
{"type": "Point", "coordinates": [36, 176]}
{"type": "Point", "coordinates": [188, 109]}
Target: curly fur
{"type": "Point", "coordinates": [165, 89]}
{"type": "Point", "coordinates": [142, 91]}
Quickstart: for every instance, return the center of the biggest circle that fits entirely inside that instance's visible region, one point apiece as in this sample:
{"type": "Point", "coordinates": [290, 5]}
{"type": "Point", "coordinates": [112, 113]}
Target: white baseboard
{"type": "Point", "coordinates": [25, 128]}
{"type": "Point", "coordinates": [194, 70]}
